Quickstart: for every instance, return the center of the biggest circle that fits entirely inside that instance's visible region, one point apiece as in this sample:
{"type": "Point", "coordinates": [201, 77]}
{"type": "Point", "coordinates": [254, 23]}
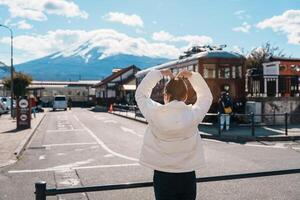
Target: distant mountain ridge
{"type": "Point", "coordinates": [84, 61]}
{"type": "Point", "coordinates": [54, 67]}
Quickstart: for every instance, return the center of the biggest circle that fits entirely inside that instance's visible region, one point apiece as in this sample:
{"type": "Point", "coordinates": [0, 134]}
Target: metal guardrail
{"type": "Point", "coordinates": [252, 124]}
{"type": "Point", "coordinates": [41, 191]}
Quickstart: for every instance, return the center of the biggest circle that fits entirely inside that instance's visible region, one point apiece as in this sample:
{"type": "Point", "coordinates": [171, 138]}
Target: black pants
{"type": "Point", "coordinates": [175, 186]}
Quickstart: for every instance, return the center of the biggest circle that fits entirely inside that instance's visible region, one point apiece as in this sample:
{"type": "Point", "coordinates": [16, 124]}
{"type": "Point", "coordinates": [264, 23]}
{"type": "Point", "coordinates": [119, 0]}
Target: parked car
{"type": "Point", "coordinates": [5, 103]}
{"type": "Point", "coordinates": [60, 102]}
{"type": "Point", "coordinates": [2, 109]}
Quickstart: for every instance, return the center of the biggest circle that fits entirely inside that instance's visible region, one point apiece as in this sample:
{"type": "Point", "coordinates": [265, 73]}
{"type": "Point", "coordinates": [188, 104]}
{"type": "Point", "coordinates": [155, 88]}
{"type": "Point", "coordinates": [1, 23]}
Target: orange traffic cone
{"type": "Point", "coordinates": [110, 108]}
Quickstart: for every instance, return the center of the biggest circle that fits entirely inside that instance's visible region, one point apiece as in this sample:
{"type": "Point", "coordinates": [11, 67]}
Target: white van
{"type": "Point", "coordinates": [60, 102]}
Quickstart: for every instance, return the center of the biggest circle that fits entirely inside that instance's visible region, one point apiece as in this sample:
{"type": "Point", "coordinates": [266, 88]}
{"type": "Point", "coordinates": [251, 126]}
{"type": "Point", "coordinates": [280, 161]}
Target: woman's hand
{"type": "Point", "coordinates": [167, 72]}
{"type": "Point", "coordinates": [184, 74]}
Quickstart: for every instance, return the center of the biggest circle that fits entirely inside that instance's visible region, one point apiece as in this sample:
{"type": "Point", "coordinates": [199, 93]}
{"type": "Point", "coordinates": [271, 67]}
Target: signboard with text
{"type": "Point", "coordinates": [23, 113]}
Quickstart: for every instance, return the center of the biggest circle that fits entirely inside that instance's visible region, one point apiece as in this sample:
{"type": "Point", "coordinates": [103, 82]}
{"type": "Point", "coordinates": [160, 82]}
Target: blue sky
{"type": "Point", "coordinates": [161, 28]}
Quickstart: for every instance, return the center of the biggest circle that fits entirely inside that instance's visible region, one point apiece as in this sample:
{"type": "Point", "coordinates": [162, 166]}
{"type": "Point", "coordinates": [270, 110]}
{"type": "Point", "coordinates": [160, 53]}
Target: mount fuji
{"type": "Point", "coordinates": [83, 62]}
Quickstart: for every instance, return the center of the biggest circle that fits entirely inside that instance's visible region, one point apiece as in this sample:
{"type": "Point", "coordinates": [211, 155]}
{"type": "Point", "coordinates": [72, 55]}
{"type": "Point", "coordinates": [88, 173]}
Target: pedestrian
{"type": "Point", "coordinates": [70, 103]}
{"type": "Point", "coordinates": [225, 109]}
{"type": "Point", "coordinates": [172, 144]}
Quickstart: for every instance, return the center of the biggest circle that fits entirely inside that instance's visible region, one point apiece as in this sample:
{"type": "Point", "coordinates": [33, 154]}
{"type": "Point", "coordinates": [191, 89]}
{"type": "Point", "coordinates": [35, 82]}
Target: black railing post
{"type": "Point", "coordinates": [219, 123]}
{"type": "Point", "coordinates": [286, 123]}
{"type": "Point", "coordinates": [40, 190]}
{"type": "Point", "coordinates": [252, 124]}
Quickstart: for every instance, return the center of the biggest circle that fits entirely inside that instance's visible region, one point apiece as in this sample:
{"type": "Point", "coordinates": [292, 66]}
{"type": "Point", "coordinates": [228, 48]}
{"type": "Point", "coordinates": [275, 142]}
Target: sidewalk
{"type": "Point", "coordinates": [237, 133]}
{"type": "Point", "coordinates": [12, 141]}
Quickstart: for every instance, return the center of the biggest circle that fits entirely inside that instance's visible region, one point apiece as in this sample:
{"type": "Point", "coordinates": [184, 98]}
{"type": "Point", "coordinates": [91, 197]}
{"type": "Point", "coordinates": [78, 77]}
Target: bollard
{"type": "Point", "coordinates": [286, 123]}
{"type": "Point", "coordinates": [219, 123]}
{"type": "Point", "coordinates": [252, 124]}
{"type": "Point", "coordinates": [40, 190]}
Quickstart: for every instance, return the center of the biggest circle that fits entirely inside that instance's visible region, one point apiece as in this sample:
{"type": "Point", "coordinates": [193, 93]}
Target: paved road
{"type": "Point", "coordinates": [80, 147]}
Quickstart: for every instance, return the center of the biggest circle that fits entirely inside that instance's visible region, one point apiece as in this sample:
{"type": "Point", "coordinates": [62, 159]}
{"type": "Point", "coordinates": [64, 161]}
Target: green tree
{"type": "Point", "coordinates": [261, 54]}
{"type": "Point", "coordinates": [21, 82]}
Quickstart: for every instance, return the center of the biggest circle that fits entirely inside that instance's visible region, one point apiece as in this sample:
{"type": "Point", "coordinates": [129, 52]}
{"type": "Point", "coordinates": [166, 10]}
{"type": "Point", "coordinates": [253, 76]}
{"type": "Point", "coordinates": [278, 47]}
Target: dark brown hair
{"type": "Point", "coordinates": [177, 89]}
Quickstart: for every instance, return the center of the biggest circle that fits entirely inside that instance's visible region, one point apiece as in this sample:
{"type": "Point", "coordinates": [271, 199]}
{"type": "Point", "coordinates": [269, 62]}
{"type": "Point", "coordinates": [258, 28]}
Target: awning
{"type": "Point", "coordinates": [129, 87]}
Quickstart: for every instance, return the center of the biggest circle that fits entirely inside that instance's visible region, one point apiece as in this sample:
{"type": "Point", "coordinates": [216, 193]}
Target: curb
{"type": "Point", "coordinates": [135, 119]}
{"type": "Point", "coordinates": [228, 138]}
{"type": "Point", "coordinates": [22, 146]}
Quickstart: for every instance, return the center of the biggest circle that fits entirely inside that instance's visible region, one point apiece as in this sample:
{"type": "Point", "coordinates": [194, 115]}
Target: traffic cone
{"type": "Point", "coordinates": [110, 108]}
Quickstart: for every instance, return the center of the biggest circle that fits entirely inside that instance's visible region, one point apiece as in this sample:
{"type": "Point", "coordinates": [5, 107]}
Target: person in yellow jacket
{"type": "Point", "coordinates": [172, 145]}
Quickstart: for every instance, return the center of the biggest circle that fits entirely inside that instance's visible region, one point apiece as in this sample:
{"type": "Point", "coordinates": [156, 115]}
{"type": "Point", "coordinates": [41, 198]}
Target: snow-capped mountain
{"type": "Point", "coordinates": [85, 61]}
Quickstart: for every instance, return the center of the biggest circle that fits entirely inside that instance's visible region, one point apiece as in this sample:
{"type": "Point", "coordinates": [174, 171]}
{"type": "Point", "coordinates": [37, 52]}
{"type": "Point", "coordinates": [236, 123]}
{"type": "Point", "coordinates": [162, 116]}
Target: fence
{"type": "Point", "coordinates": [41, 191]}
{"type": "Point", "coordinates": [248, 124]}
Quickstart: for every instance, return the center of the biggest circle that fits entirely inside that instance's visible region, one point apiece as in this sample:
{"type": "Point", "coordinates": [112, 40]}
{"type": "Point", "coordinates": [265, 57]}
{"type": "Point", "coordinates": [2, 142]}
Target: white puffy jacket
{"type": "Point", "coordinates": [172, 142]}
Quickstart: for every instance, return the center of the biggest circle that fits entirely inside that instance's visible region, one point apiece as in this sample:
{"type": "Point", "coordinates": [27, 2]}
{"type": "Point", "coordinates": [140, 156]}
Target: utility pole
{"type": "Point", "coordinates": [11, 71]}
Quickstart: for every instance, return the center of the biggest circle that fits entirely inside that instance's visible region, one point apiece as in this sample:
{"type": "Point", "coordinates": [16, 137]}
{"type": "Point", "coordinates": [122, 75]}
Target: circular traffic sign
{"type": "Point", "coordinates": [23, 103]}
{"type": "Point", "coordinates": [23, 117]}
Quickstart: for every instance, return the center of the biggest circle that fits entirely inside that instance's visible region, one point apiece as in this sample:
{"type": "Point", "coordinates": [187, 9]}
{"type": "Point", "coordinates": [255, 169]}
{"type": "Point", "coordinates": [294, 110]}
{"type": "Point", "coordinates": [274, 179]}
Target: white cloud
{"type": "Point", "coordinates": [241, 14]}
{"type": "Point", "coordinates": [245, 28]}
{"type": "Point", "coordinates": [22, 25]}
{"type": "Point", "coordinates": [162, 36]}
{"type": "Point", "coordinates": [130, 20]}
{"type": "Point", "coordinates": [79, 42]}
{"type": "Point", "coordinates": [38, 9]}
{"type": "Point", "coordinates": [192, 40]}
{"type": "Point", "coordinates": [287, 23]}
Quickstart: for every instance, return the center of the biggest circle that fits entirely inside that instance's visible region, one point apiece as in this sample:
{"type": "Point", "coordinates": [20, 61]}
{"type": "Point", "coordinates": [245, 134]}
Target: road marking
{"type": "Point", "coordinates": [110, 121]}
{"type": "Point", "coordinates": [128, 130]}
{"type": "Point", "coordinates": [276, 146]}
{"type": "Point", "coordinates": [100, 118]}
{"type": "Point", "coordinates": [108, 156]}
{"type": "Point", "coordinates": [65, 167]}
{"type": "Point", "coordinates": [274, 130]}
{"type": "Point", "coordinates": [61, 154]}
{"type": "Point", "coordinates": [63, 130]}
{"type": "Point", "coordinates": [72, 168]}
{"type": "Point", "coordinates": [42, 157]}
{"type": "Point", "coordinates": [79, 149]}
{"type": "Point", "coordinates": [69, 144]}
{"type": "Point", "coordinates": [101, 143]}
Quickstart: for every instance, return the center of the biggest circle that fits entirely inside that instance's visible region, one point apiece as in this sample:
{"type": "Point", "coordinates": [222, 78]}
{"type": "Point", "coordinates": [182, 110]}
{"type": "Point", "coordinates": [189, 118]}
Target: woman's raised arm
{"type": "Point", "coordinates": [144, 90]}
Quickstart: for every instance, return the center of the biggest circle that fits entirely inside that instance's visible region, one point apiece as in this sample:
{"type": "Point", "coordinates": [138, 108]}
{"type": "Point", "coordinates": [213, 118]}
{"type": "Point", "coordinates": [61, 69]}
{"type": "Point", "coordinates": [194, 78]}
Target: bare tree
{"type": "Point", "coordinates": [261, 54]}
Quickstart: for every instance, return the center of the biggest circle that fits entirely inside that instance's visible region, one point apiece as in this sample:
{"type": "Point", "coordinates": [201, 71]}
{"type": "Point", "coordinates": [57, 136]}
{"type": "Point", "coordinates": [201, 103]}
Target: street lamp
{"type": "Point", "coordinates": [11, 70]}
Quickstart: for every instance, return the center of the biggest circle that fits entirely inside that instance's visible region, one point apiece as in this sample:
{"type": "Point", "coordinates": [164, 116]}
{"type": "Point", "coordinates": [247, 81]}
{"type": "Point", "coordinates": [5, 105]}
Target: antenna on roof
{"type": "Point", "coordinates": [203, 48]}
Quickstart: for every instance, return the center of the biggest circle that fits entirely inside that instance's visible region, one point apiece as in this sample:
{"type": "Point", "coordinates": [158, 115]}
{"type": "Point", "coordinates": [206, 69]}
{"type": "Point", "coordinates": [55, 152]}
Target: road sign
{"type": "Point", "coordinates": [23, 113]}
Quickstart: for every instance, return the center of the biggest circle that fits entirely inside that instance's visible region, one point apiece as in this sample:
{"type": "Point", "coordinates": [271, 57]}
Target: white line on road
{"type": "Point", "coordinates": [110, 121]}
{"type": "Point", "coordinates": [274, 130]}
{"type": "Point", "coordinates": [130, 131]}
{"type": "Point", "coordinates": [65, 167]}
{"type": "Point", "coordinates": [276, 146]}
{"type": "Point", "coordinates": [69, 144]}
{"type": "Point", "coordinates": [63, 130]}
{"type": "Point", "coordinates": [100, 118]}
{"type": "Point", "coordinates": [72, 168]}
{"type": "Point", "coordinates": [42, 157]}
{"type": "Point", "coordinates": [101, 143]}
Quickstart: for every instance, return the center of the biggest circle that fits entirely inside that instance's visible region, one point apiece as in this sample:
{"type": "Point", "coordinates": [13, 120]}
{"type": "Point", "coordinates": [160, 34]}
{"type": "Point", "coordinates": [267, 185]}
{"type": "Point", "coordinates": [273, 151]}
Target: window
{"type": "Point", "coordinates": [295, 68]}
{"type": "Point", "coordinates": [224, 71]}
{"type": "Point", "coordinates": [236, 71]}
{"type": "Point", "coordinates": [175, 71]}
{"type": "Point", "coordinates": [282, 67]}
{"type": "Point", "coordinates": [209, 71]}
{"type": "Point", "coordinates": [239, 72]}
{"type": "Point", "coordinates": [196, 68]}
